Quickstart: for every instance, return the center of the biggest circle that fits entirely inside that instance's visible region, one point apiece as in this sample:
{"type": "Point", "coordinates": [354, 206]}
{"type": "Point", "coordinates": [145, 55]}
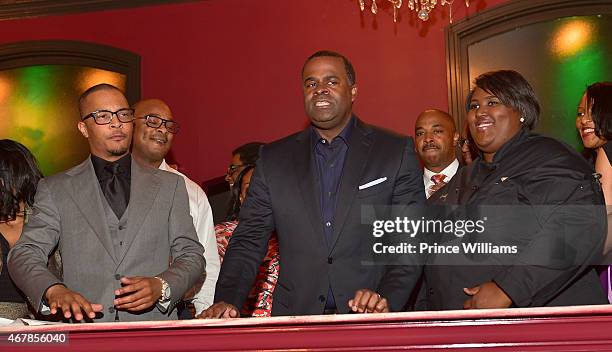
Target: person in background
{"type": "Point", "coordinates": [259, 300]}
{"type": "Point", "coordinates": [154, 132]}
{"type": "Point", "coordinates": [594, 123]}
{"type": "Point", "coordinates": [19, 176]}
{"type": "Point", "coordinates": [435, 142]}
{"type": "Point", "coordinates": [243, 156]}
{"type": "Point", "coordinates": [468, 151]}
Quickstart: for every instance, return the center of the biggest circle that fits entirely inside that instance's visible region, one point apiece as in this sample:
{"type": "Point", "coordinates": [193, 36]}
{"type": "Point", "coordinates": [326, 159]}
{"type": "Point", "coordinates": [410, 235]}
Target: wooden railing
{"type": "Point", "coordinates": [587, 328]}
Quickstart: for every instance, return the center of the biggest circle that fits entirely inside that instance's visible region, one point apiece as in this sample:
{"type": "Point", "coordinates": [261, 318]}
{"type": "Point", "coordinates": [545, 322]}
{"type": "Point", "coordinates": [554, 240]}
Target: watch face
{"type": "Point", "coordinates": [166, 292]}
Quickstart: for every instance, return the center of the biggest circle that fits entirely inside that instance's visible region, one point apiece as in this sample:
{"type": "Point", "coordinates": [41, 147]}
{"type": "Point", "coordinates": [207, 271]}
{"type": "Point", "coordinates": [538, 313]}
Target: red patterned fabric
{"type": "Point", "coordinates": [438, 178]}
{"type": "Point", "coordinates": [259, 301]}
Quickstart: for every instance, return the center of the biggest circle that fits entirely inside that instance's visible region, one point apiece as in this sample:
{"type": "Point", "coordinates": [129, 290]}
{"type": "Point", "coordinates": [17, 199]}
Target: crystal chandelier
{"type": "Point", "coordinates": [421, 7]}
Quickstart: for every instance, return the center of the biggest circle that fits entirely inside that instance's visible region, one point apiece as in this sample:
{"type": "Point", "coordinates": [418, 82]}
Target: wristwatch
{"type": "Point", "coordinates": [165, 294]}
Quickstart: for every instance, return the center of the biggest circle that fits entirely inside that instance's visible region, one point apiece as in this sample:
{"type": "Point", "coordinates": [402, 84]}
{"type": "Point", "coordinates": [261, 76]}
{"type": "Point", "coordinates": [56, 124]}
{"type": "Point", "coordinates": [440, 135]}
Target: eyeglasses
{"type": "Point", "coordinates": [233, 167]}
{"type": "Point", "coordinates": [155, 121]}
{"type": "Point", "coordinates": [104, 117]}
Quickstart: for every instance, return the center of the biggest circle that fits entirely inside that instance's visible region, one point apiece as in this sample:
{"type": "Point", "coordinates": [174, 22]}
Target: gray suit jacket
{"type": "Point", "coordinates": [68, 213]}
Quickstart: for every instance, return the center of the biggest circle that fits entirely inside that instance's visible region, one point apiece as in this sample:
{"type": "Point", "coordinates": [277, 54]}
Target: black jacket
{"type": "Point", "coordinates": [284, 196]}
{"type": "Point", "coordinates": [539, 195]}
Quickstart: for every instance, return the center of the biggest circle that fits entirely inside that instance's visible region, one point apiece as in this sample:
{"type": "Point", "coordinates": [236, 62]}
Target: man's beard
{"type": "Point", "coordinates": [118, 151]}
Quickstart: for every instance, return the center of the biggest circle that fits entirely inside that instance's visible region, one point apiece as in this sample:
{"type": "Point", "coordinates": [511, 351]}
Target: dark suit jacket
{"type": "Point", "coordinates": [284, 195]}
{"type": "Point", "coordinates": [540, 196]}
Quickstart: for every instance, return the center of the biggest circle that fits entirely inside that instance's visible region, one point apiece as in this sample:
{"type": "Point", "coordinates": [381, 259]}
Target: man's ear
{"type": "Point", "coordinates": [83, 129]}
{"type": "Point", "coordinates": [353, 93]}
{"type": "Point", "coordinates": [455, 139]}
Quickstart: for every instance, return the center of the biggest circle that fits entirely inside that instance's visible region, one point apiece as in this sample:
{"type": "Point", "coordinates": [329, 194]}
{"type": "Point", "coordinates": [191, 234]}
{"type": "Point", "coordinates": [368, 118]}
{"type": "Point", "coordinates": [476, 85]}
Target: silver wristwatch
{"type": "Point", "coordinates": [165, 294]}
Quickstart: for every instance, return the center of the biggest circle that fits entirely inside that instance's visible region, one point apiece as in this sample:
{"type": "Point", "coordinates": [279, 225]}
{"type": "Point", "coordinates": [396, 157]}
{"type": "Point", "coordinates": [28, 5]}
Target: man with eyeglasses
{"type": "Point", "coordinates": [115, 223]}
{"type": "Point", "coordinates": [243, 156]}
{"type": "Point", "coordinates": [154, 131]}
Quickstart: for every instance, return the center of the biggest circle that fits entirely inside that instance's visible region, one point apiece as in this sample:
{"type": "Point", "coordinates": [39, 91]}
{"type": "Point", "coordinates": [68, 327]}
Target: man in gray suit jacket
{"type": "Point", "coordinates": [128, 244]}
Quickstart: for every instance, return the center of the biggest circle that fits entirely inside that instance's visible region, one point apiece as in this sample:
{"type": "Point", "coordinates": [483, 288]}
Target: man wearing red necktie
{"type": "Point", "coordinates": [436, 139]}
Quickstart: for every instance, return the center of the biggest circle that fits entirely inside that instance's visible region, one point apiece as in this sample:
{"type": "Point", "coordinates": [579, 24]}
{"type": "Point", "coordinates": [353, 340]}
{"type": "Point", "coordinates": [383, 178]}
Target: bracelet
{"type": "Point", "coordinates": [165, 294]}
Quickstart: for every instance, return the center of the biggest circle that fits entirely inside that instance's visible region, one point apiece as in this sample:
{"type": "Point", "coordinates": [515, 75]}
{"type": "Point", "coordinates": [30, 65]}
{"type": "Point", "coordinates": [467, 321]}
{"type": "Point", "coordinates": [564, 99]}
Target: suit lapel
{"type": "Point", "coordinates": [144, 186]}
{"type": "Point", "coordinates": [305, 174]}
{"type": "Point", "coordinates": [356, 161]}
{"type": "Point", "coordinates": [85, 191]}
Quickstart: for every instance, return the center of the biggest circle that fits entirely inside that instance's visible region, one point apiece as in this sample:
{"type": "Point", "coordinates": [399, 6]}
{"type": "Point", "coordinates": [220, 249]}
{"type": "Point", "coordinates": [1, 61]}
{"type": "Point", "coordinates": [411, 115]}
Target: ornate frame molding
{"type": "Point", "coordinates": [15, 9]}
{"type": "Point", "coordinates": [67, 52]}
{"type": "Point", "coordinates": [500, 19]}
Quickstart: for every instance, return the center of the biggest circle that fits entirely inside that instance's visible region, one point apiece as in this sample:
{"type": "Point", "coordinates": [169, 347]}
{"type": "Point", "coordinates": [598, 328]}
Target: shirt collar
{"type": "Point", "coordinates": [164, 166]}
{"type": "Point", "coordinates": [344, 135]}
{"type": "Point", "coordinates": [99, 164]}
{"type": "Point", "coordinates": [448, 171]}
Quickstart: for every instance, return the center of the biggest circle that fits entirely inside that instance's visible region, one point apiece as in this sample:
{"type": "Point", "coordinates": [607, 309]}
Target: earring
{"type": "Point", "coordinates": [522, 119]}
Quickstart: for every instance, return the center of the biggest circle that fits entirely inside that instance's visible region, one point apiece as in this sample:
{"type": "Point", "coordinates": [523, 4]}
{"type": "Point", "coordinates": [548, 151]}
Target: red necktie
{"type": "Point", "coordinates": [438, 180]}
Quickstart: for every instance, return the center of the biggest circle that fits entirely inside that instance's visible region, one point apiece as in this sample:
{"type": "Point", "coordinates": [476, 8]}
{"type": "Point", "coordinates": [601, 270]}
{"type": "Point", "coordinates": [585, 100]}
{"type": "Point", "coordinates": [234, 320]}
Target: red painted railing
{"type": "Point", "coordinates": [587, 328]}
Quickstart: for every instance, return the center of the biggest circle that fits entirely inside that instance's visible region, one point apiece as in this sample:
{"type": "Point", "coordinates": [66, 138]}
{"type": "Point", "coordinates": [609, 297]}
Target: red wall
{"type": "Point", "coordinates": [230, 70]}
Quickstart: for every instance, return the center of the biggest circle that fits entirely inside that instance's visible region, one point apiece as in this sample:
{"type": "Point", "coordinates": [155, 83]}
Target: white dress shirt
{"type": "Point", "coordinates": [449, 172]}
{"type": "Point", "coordinates": [201, 213]}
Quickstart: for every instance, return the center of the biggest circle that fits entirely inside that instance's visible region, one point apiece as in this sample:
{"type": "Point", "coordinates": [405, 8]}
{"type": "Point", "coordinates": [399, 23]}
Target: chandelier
{"type": "Point", "coordinates": [421, 7]}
